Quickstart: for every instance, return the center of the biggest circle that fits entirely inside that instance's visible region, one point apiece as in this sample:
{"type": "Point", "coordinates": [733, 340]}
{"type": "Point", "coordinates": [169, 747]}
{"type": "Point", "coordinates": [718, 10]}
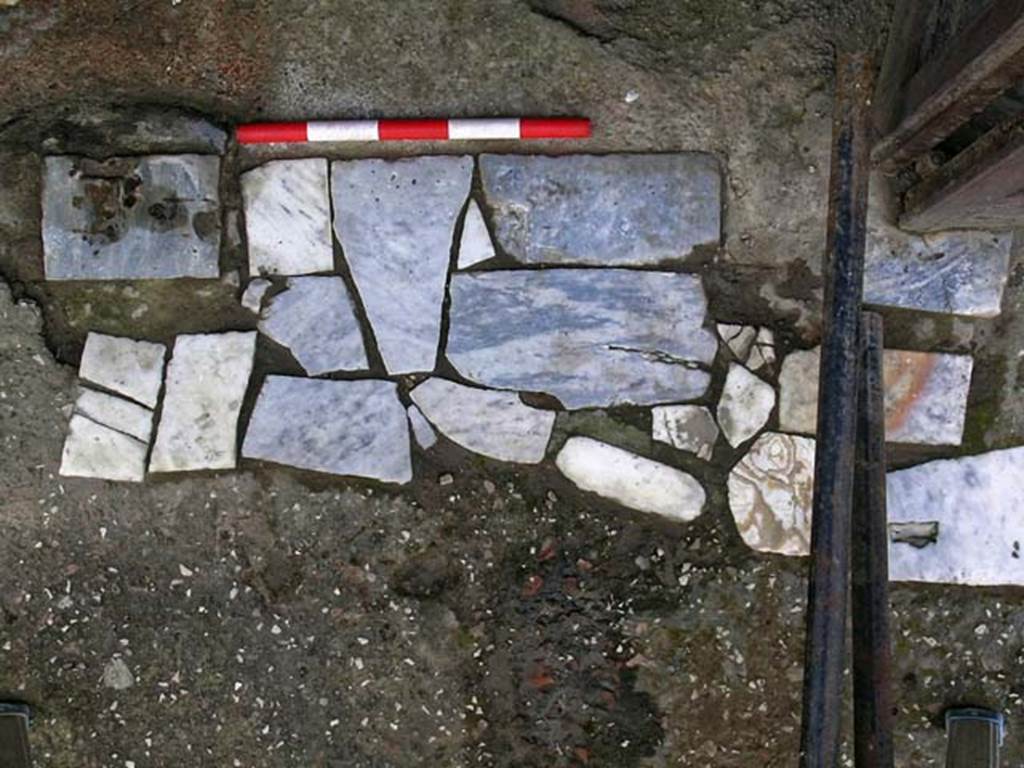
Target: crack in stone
{"type": "Point", "coordinates": [658, 356]}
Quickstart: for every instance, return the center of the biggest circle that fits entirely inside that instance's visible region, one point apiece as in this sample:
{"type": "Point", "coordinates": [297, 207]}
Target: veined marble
{"type": "Point", "coordinates": [686, 427]}
{"type": "Point", "coordinates": [745, 406]}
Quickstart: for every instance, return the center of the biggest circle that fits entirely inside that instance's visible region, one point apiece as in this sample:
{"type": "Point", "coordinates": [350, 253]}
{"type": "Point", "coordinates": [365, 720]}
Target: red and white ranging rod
{"type": "Point", "coordinates": [415, 130]}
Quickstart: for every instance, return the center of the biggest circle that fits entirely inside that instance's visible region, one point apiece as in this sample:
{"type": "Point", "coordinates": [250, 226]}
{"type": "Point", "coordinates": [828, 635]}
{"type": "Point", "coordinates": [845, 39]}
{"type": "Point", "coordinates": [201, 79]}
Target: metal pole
{"type": "Point", "coordinates": [837, 417]}
{"type": "Point", "coordinates": [872, 651]}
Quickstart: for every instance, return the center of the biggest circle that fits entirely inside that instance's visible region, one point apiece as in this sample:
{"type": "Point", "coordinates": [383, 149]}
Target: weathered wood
{"type": "Point", "coordinates": [986, 59]}
{"type": "Point", "coordinates": [901, 61]}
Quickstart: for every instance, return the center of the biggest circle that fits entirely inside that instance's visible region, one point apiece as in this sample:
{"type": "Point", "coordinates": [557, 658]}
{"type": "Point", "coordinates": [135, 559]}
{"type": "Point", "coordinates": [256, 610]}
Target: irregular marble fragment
{"type": "Point", "coordinates": [131, 368]}
{"type": "Point", "coordinates": [365, 432]}
{"type": "Point", "coordinates": [288, 217]}
{"type": "Point", "coordinates": [252, 298]}
{"type": "Point", "coordinates": [762, 353]}
{"type": "Point", "coordinates": [738, 338]}
{"type": "Point", "coordinates": [771, 492]}
{"type": "Point", "coordinates": [131, 217]}
{"type": "Point", "coordinates": [746, 403]}
{"type": "Point", "coordinates": [589, 337]}
{"type": "Point", "coordinates": [494, 424]}
{"type": "Point", "coordinates": [476, 245]}
{"type": "Point", "coordinates": [976, 503]}
{"type": "Point", "coordinates": [424, 433]}
{"type": "Point", "coordinates": [93, 450]}
{"type": "Point", "coordinates": [315, 318]}
{"type": "Point", "coordinates": [116, 413]}
{"type": "Point", "coordinates": [206, 382]}
{"type": "Point", "coordinates": [395, 220]}
{"type": "Point", "coordinates": [925, 395]}
{"type": "Point", "coordinates": [631, 480]}
{"type": "Point", "coordinates": [687, 427]}
{"type": "Point", "coordinates": [608, 210]}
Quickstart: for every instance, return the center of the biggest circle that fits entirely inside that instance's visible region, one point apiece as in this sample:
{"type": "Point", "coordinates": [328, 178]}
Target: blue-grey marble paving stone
{"type": "Point", "coordinates": [609, 210]}
{"type": "Point", "coordinates": [131, 217]}
{"type": "Point", "coordinates": [315, 318]}
{"type": "Point", "coordinates": [356, 428]}
{"type": "Point", "coordinates": [395, 220]}
{"type": "Point", "coordinates": [589, 337]}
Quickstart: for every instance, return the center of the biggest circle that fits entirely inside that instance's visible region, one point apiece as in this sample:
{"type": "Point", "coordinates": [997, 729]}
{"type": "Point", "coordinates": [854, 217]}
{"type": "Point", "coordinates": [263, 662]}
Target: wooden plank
{"type": "Point", "coordinates": [981, 63]}
{"type": "Point", "coordinates": [901, 61]}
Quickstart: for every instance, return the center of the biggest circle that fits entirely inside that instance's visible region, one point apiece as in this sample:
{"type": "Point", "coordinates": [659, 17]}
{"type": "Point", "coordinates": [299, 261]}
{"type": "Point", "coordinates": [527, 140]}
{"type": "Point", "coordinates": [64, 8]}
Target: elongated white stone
{"type": "Point", "coordinates": [494, 424]}
{"type": "Point", "coordinates": [356, 428]}
{"type": "Point", "coordinates": [93, 450]}
{"type": "Point", "coordinates": [131, 217]}
{"type": "Point", "coordinates": [395, 221]}
{"type": "Point", "coordinates": [609, 210]}
{"type": "Point", "coordinates": [288, 218]}
{"type": "Point", "coordinates": [116, 413]}
{"type": "Point", "coordinates": [687, 427]}
{"type": "Point", "coordinates": [424, 433]}
{"type": "Point", "coordinates": [252, 298]}
{"type": "Point", "coordinates": [206, 382]}
{"type": "Point", "coordinates": [476, 245]}
{"type": "Point", "coordinates": [977, 503]}
{"type": "Point", "coordinates": [747, 402]}
{"type": "Point", "coordinates": [131, 368]}
{"type": "Point", "coordinates": [631, 480]}
{"type": "Point", "coordinates": [316, 320]}
{"type": "Point", "coordinates": [771, 492]}
{"type": "Point", "coordinates": [589, 337]}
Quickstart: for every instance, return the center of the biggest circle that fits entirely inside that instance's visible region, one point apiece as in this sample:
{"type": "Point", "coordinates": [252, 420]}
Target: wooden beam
{"type": "Point", "coordinates": [901, 61]}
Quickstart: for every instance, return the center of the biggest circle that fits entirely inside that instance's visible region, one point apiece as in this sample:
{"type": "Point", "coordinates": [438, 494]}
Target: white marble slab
{"type": "Point", "coordinates": [288, 217]}
{"type": "Point", "coordinates": [116, 413]}
{"type": "Point", "coordinates": [395, 220]}
{"type": "Point", "coordinates": [745, 406]}
{"type": "Point", "coordinates": [476, 245]}
{"type": "Point", "coordinates": [589, 337]}
{"type": "Point", "coordinates": [93, 450]}
{"type": "Point", "coordinates": [686, 427]}
{"type": "Point", "coordinates": [206, 381]}
{"type": "Point", "coordinates": [978, 503]}
{"type": "Point", "coordinates": [356, 428]}
{"type": "Point", "coordinates": [494, 424]}
{"type": "Point", "coordinates": [631, 480]}
{"type": "Point", "coordinates": [131, 368]}
{"type": "Point", "coordinates": [252, 298]}
{"type": "Point", "coordinates": [422, 430]}
{"type": "Point", "coordinates": [315, 318]}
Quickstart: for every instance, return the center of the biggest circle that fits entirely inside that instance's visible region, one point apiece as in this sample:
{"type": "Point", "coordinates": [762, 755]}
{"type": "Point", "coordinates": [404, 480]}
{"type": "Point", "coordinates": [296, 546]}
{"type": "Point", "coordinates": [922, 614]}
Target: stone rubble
{"type": "Point", "coordinates": [395, 221]}
{"type": "Point", "coordinates": [631, 480]}
{"type": "Point", "coordinates": [626, 210]}
{"type": "Point", "coordinates": [745, 406]}
{"type": "Point", "coordinates": [131, 217]}
{"type": "Point", "coordinates": [315, 319]}
{"type": "Point", "coordinates": [96, 451]}
{"type": "Point", "coordinates": [493, 424]}
{"type": "Point", "coordinates": [206, 381]}
{"type": "Point", "coordinates": [288, 217]}
{"type": "Point", "coordinates": [475, 246]}
{"type": "Point", "coordinates": [585, 336]}
{"type": "Point", "coordinates": [131, 368]}
{"type": "Point", "coordinates": [686, 427]}
{"type": "Point", "coordinates": [366, 434]}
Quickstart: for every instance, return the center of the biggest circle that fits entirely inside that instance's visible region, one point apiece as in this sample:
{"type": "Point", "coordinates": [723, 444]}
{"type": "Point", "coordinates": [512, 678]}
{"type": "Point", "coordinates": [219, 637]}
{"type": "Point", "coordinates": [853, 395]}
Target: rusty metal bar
{"type": "Point", "coordinates": [824, 649]}
{"type": "Point", "coordinates": [869, 555]}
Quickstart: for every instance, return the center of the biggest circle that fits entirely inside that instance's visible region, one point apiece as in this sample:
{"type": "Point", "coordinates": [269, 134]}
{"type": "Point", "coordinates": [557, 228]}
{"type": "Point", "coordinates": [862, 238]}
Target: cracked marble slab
{"type": "Point", "coordinates": [94, 450]}
{"type": "Point", "coordinates": [686, 427]}
{"type": "Point", "coordinates": [365, 432]}
{"type": "Point", "coordinates": [395, 220]}
{"type": "Point", "coordinates": [589, 337]}
{"type": "Point", "coordinates": [128, 367]}
{"type": "Point", "coordinates": [607, 210]}
{"type": "Point", "coordinates": [116, 413]}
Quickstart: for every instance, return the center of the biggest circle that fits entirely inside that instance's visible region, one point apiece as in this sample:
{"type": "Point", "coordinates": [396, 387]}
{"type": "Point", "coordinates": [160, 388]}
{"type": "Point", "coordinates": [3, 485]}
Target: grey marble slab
{"type": "Point", "coordinates": [589, 337]}
{"type": "Point", "coordinates": [131, 217]}
{"type": "Point", "coordinates": [395, 220]}
{"type": "Point", "coordinates": [357, 428]}
{"type": "Point", "coordinates": [314, 317]}
{"type": "Point", "coordinates": [607, 210]}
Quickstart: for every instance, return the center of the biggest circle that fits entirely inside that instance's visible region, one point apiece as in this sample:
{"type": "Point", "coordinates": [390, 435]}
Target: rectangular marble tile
{"type": "Point", "coordinates": [131, 217]}
{"type": "Point", "coordinates": [206, 382]}
{"type": "Point", "coordinates": [607, 210]}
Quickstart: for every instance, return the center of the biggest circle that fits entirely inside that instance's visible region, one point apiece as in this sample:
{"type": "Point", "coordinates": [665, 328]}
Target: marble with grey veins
{"type": "Point", "coordinates": [288, 217]}
{"type": "Point", "coordinates": [206, 381]}
{"type": "Point", "coordinates": [422, 430]}
{"type": "Point", "coordinates": [98, 451]}
{"type": "Point", "coordinates": [633, 481]}
{"type": "Point", "coordinates": [745, 405]}
{"type": "Point", "coordinates": [607, 210]}
{"type": "Point", "coordinates": [494, 424]}
{"type": "Point", "coordinates": [128, 367]}
{"type": "Point", "coordinates": [771, 494]}
{"type": "Point", "coordinates": [977, 503]}
{"type": "Point", "coordinates": [476, 245]}
{"type": "Point", "coordinates": [123, 218]}
{"type": "Point", "coordinates": [356, 428]}
{"type": "Point", "coordinates": [925, 395]}
{"type": "Point", "coordinates": [588, 337]}
{"type": "Point", "coordinates": [395, 220]}
{"type": "Point", "coordinates": [738, 338]}
{"type": "Point", "coordinates": [314, 317]}
{"type": "Point", "coordinates": [115, 412]}
{"type": "Point", "coordinates": [686, 427]}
